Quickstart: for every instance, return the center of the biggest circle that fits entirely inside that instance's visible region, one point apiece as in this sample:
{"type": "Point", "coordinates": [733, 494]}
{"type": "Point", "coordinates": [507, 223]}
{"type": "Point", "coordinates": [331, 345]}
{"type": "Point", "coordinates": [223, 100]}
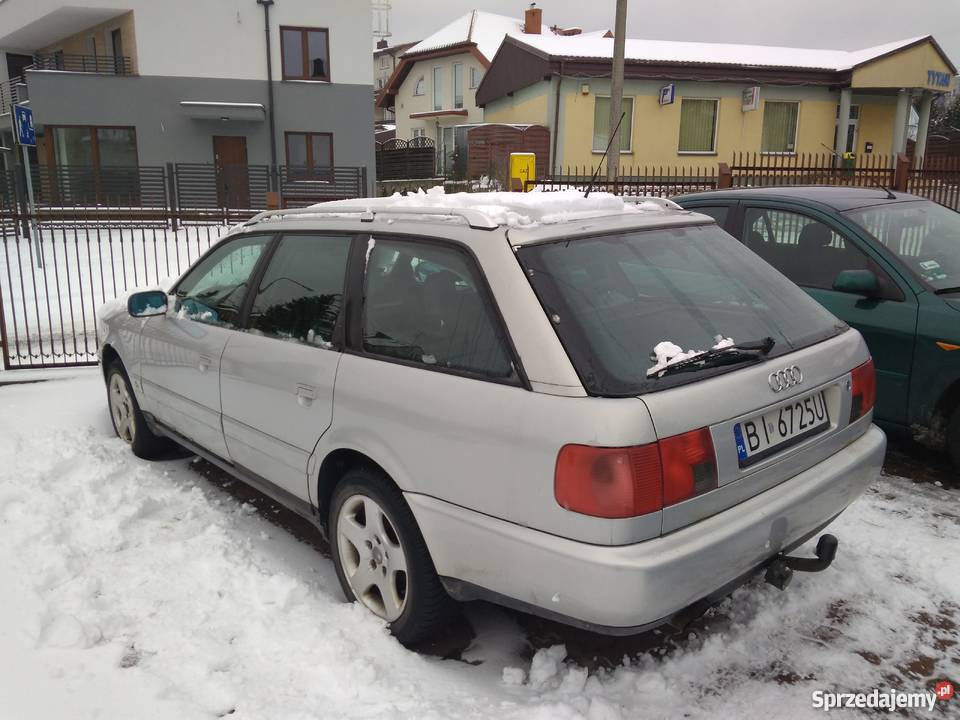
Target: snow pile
{"type": "Point", "coordinates": [135, 589]}
{"type": "Point", "coordinates": [667, 353]}
{"type": "Point", "coordinates": [507, 208]}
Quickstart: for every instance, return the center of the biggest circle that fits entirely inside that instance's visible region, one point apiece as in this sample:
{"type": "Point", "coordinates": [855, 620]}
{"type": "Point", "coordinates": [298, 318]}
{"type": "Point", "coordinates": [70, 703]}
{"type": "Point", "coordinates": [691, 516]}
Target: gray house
{"type": "Point", "coordinates": [127, 83]}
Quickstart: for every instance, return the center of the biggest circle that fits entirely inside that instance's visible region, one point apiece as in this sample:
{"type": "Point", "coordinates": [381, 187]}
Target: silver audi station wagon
{"type": "Point", "coordinates": [605, 413]}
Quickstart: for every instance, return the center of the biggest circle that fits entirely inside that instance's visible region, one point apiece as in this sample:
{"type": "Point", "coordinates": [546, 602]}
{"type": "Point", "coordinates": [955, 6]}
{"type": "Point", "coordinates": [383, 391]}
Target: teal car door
{"type": "Point", "coordinates": [812, 249]}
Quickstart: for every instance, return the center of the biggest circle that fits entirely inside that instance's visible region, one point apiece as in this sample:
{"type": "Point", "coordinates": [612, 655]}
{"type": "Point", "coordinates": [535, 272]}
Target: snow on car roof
{"type": "Point", "coordinates": [667, 51]}
{"type": "Point", "coordinates": [524, 210]}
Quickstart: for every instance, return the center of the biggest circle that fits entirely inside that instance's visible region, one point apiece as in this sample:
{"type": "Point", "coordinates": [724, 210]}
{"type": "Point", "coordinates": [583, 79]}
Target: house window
{"type": "Point", "coordinates": [438, 88]}
{"type": "Point", "coordinates": [419, 132]}
{"type": "Point", "coordinates": [96, 147]}
{"type": "Point", "coordinates": [780, 127]}
{"type": "Point", "coordinates": [698, 125]}
{"type": "Point", "coordinates": [458, 85]}
{"type": "Point", "coordinates": [309, 155]}
{"type": "Point", "coordinates": [476, 75]}
{"type": "Point", "coordinates": [384, 61]}
{"type": "Point", "coordinates": [601, 125]}
{"type": "Point", "coordinates": [305, 53]}
{"type": "Point", "coordinates": [419, 87]}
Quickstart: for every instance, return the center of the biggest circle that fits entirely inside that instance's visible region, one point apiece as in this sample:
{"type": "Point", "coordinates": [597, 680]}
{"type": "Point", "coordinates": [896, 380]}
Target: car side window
{"type": "Point", "coordinates": [423, 303]}
{"type": "Point", "coordinates": [301, 294]}
{"type": "Point", "coordinates": [213, 291]}
{"type": "Point", "coordinates": [806, 250]}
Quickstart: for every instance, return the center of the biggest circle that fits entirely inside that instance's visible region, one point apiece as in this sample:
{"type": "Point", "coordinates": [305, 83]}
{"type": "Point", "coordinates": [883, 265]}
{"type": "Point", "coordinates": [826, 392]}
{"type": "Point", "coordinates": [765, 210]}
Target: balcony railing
{"type": "Point", "coordinates": [101, 64]}
{"type": "Point", "coordinates": [12, 91]}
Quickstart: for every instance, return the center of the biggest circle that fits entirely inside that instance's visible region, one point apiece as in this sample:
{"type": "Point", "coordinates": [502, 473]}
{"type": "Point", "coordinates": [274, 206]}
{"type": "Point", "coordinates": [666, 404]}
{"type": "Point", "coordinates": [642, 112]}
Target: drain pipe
{"type": "Point", "coordinates": [270, 105]}
{"type": "Point", "coordinates": [556, 122]}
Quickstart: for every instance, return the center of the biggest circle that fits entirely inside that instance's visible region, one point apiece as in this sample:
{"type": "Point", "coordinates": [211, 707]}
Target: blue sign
{"type": "Point", "coordinates": [667, 93]}
{"type": "Point", "coordinates": [938, 79]}
{"type": "Point", "coordinates": [23, 126]}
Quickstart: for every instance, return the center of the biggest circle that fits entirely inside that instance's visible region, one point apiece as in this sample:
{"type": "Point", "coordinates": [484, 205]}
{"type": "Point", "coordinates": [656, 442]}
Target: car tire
{"type": "Point", "coordinates": [381, 558]}
{"type": "Point", "coordinates": [953, 438]}
{"type": "Point", "coordinates": [128, 421]}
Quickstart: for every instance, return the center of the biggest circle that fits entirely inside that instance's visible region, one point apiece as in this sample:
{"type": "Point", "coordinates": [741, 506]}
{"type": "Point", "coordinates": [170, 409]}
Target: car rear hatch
{"type": "Point", "coordinates": [765, 375]}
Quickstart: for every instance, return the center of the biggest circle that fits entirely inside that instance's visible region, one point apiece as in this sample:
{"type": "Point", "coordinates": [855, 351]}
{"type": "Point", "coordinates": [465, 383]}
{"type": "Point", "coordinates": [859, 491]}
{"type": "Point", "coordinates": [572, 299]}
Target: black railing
{"type": "Point", "coordinates": [102, 64]}
{"type": "Point", "coordinates": [307, 185]}
{"type": "Point", "coordinates": [12, 91]}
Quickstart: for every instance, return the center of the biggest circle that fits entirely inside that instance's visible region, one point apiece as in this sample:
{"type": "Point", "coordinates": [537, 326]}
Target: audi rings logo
{"type": "Point", "coordinates": [786, 378]}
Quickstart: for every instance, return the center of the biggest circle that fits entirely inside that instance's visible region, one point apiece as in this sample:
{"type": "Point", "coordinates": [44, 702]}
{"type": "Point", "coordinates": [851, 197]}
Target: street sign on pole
{"type": "Point", "coordinates": [23, 129]}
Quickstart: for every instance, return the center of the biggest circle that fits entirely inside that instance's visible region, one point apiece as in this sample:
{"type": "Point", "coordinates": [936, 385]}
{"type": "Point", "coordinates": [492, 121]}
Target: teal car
{"type": "Point", "coordinates": [886, 263]}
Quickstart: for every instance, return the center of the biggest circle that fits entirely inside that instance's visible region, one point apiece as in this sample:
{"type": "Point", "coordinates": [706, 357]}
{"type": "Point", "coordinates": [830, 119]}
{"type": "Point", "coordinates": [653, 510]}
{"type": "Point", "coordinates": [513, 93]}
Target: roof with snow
{"type": "Point", "coordinates": [668, 51]}
{"type": "Point", "coordinates": [483, 29]}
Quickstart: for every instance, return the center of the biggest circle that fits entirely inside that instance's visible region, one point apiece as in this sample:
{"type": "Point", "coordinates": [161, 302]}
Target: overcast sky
{"type": "Point", "coordinates": [838, 24]}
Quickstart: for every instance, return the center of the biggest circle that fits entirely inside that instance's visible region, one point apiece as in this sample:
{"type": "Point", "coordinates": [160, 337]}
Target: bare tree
{"type": "Point", "coordinates": [616, 90]}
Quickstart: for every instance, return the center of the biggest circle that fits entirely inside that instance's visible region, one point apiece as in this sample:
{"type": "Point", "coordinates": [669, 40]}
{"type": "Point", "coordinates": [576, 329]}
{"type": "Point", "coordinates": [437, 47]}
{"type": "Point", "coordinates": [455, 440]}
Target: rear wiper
{"type": "Point", "coordinates": [947, 291]}
{"type": "Point", "coordinates": [753, 350]}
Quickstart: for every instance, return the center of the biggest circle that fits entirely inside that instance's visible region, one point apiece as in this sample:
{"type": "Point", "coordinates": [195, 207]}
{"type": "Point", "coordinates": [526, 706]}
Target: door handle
{"type": "Point", "coordinates": [203, 363]}
{"type": "Point", "coordinates": [306, 394]}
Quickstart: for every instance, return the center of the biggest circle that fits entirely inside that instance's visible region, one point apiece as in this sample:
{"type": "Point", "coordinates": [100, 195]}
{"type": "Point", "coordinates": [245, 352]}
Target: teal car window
{"type": "Point", "coordinates": [924, 235]}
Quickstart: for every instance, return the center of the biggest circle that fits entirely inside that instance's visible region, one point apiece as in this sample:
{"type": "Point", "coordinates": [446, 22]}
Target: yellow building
{"type": "Point", "coordinates": [696, 104]}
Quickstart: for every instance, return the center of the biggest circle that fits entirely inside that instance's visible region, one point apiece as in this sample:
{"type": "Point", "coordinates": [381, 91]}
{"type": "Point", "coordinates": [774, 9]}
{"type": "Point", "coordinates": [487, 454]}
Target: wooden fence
{"type": "Point", "coordinates": [406, 159]}
{"type": "Point", "coordinates": [937, 179]}
{"type": "Point", "coordinates": [646, 180]}
{"type": "Point", "coordinates": [758, 169]}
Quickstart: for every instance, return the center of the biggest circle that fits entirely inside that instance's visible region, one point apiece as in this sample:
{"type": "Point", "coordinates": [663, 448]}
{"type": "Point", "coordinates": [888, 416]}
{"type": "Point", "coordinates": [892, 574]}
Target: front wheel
{"type": "Point", "coordinates": [128, 421]}
{"type": "Point", "coordinates": [381, 558]}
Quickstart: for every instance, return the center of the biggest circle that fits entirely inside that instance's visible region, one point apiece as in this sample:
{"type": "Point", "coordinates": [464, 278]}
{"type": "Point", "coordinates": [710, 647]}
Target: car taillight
{"type": "Point", "coordinates": [631, 481]}
{"type": "Point", "coordinates": [689, 466]}
{"type": "Point", "coordinates": [864, 390]}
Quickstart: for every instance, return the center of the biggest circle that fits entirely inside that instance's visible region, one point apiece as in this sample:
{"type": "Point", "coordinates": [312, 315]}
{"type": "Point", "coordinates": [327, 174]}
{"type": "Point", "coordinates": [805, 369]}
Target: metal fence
{"type": "Point", "coordinates": [653, 181]}
{"type": "Point", "coordinates": [758, 169]}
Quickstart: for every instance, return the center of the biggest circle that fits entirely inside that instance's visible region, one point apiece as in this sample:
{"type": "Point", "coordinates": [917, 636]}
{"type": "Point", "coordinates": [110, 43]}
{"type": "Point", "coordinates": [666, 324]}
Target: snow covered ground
{"type": "Point", "coordinates": [143, 590]}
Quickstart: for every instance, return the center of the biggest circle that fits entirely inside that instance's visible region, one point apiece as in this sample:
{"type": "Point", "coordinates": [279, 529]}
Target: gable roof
{"type": "Point", "coordinates": [483, 29]}
{"type": "Point", "coordinates": [700, 53]}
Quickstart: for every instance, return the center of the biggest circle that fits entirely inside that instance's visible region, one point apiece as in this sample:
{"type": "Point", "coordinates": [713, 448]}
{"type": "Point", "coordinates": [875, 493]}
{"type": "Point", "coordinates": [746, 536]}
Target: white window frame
{"type": "Point", "coordinates": [633, 109]}
{"type": "Point", "coordinates": [418, 87]}
{"type": "Point", "coordinates": [716, 127]}
{"type": "Point", "coordinates": [436, 88]}
{"type": "Point", "coordinates": [419, 132]}
{"type": "Point", "coordinates": [476, 77]}
{"type": "Point", "coordinates": [796, 129]}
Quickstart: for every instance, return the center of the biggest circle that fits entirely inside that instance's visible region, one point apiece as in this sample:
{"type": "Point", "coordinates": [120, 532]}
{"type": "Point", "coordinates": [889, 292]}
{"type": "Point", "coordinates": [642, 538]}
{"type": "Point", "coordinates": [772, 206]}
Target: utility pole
{"type": "Point", "coordinates": [616, 89]}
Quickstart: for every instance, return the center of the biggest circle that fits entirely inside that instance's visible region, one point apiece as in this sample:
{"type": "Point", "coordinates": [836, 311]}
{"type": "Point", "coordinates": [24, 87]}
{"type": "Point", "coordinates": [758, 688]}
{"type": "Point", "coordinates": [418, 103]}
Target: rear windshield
{"type": "Point", "coordinates": [613, 298]}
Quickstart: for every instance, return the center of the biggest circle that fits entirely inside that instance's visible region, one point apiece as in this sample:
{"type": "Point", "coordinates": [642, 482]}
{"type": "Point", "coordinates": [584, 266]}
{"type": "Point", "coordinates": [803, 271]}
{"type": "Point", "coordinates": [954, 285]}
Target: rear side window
{"type": "Point", "coordinates": [301, 294]}
{"type": "Point", "coordinates": [806, 250]}
{"type": "Point", "coordinates": [213, 291]}
{"type": "Point", "coordinates": [613, 298]}
{"type": "Point", "coordinates": [423, 303]}
{"type": "Point", "coordinates": [717, 212]}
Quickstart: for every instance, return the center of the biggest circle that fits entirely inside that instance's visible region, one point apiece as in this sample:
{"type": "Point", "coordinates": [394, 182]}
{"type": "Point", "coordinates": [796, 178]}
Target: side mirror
{"type": "Point", "coordinates": [147, 304]}
{"type": "Point", "coordinates": [857, 282]}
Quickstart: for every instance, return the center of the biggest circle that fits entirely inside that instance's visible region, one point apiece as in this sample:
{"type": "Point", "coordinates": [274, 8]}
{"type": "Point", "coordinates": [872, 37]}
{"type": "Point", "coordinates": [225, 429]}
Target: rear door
{"type": "Point", "coordinates": [277, 378]}
{"type": "Point", "coordinates": [811, 249]}
{"type": "Point", "coordinates": [181, 350]}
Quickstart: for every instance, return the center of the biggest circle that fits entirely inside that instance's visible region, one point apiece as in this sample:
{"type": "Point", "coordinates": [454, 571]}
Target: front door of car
{"type": "Point", "coordinates": [812, 249]}
{"type": "Point", "coordinates": [277, 378]}
{"type": "Point", "coordinates": [181, 350]}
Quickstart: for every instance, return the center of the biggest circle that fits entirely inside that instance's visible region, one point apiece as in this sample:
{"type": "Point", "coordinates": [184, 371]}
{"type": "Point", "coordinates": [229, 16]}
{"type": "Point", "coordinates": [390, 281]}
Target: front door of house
{"type": "Point", "coordinates": [230, 159]}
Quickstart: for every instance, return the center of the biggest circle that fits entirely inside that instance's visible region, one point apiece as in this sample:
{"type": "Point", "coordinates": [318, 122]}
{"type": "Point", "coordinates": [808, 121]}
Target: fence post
{"type": "Point", "coordinates": [724, 176]}
{"type": "Point", "coordinates": [171, 195]}
{"type": "Point", "coordinates": [901, 175]}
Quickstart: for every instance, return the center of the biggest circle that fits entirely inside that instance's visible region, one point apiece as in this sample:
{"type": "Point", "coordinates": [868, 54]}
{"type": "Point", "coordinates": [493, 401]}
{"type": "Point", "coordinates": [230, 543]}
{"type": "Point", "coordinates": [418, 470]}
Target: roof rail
{"type": "Point", "coordinates": [662, 202]}
{"type": "Point", "coordinates": [474, 218]}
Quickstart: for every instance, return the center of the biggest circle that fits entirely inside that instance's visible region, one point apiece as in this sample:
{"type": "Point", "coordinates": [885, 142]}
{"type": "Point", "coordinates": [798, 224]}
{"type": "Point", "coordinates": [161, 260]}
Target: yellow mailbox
{"type": "Point", "coordinates": [523, 167]}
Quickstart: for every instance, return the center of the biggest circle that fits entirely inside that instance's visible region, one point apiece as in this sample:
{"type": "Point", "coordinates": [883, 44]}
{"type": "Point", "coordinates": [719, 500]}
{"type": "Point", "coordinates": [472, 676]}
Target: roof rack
{"type": "Point", "coordinates": [474, 218]}
{"type": "Point", "coordinates": [665, 203]}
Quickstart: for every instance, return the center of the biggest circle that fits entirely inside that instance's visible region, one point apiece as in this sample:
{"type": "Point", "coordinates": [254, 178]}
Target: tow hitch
{"type": "Point", "coordinates": [781, 568]}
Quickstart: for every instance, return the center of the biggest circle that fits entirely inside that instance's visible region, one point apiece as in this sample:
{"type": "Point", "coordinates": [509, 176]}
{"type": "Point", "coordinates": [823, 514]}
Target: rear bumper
{"type": "Point", "coordinates": [628, 588]}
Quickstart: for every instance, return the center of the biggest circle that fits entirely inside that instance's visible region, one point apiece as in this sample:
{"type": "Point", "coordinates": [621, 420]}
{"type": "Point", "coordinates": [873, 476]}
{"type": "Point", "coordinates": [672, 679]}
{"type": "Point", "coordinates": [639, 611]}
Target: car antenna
{"type": "Point", "coordinates": [604, 157]}
{"type": "Point", "coordinates": [890, 195]}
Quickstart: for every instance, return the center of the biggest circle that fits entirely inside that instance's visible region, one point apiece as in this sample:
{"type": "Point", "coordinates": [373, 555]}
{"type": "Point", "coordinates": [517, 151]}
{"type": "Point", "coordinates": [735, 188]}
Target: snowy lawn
{"type": "Point", "coordinates": [142, 590]}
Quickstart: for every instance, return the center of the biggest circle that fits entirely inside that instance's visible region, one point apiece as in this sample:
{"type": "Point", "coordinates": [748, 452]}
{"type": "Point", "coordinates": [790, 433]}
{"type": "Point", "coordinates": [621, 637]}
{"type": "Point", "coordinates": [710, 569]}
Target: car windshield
{"type": "Point", "coordinates": [623, 303]}
{"type": "Point", "coordinates": [924, 235]}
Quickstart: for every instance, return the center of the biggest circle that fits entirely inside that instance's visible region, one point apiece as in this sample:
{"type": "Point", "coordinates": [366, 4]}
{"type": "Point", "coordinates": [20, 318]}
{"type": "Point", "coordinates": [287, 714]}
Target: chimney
{"type": "Point", "coordinates": [532, 19]}
{"type": "Point", "coordinates": [381, 44]}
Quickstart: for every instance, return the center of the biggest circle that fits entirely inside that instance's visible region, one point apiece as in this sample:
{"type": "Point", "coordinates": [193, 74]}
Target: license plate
{"type": "Point", "coordinates": [763, 435]}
